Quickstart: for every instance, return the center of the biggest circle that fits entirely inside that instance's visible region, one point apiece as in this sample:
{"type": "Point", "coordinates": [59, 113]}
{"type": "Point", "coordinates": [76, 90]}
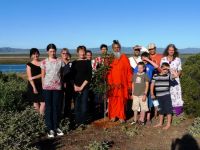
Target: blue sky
{"type": "Point", "coordinates": [69, 23]}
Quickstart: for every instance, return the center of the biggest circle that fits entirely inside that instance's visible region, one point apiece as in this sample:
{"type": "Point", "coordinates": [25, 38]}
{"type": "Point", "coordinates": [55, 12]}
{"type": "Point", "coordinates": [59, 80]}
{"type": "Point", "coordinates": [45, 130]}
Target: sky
{"type": "Point", "coordinates": [69, 23]}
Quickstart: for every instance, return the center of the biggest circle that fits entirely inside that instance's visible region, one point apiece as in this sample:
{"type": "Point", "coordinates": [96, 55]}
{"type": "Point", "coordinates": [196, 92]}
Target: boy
{"type": "Point", "coordinates": [150, 68]}
{"type": "Point", "coordinates": [161, 84]}
{"type": "Point", "coordinates": [140, 85]}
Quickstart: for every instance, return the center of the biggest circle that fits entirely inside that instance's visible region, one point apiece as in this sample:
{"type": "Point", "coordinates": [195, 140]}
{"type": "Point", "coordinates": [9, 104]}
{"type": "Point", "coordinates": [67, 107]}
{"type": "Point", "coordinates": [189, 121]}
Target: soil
{"type": "Point", "coordinates": [148, 137]}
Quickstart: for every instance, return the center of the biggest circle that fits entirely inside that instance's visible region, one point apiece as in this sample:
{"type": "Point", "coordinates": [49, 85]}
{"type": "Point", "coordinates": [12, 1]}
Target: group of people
{"type": "Point", "coordinates": [149, 79]}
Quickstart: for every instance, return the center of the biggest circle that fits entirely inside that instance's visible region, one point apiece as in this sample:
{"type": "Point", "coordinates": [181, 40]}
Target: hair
{"type": "Point", "coordinates": [104, 46]}
{"type": "Point", "coordinates": [145, 54]}
{"type": "Point", "coordinates": [141, 63]}
{"type": "Point", "coordinates": [51, 46]}
{"type": "Point", "coordinates": [116, 42]}
{"type": "Point", "coordinates": [89, 51]}
{"type": "Point", "coordinates": [81, 47]}
{"type": "Point", "coordinates": [65, 49]}
{"type": "Point", "coordinates": [34, 51]}
{"type": "Point", "coordinates": [165, 64]}
{"type": "Point", "coordinates": [176, 53]}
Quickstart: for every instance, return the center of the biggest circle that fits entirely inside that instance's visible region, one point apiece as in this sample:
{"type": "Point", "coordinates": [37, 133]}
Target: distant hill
{"type": "Point", "coordinates": [128, 50]}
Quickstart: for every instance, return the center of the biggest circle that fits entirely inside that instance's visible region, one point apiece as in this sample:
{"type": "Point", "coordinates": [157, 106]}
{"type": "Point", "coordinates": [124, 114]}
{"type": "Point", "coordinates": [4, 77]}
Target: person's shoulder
{"type": "Point", "coordinates": [177, 59]}
{"type": "Point", "coordinates": [28, 64]}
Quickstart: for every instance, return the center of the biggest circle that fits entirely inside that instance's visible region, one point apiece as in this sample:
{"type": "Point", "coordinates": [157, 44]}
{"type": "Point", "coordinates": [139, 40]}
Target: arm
{"type": "Point", "coordinates": [152, 90]}
{"type": "Point", "coordinates": [28, 71]}
{"type": "Point", "coordinates": [36, 77]}
{"type": "Point", "coordinates": [151, 62]}
{"type": "Point", "coordinates": [145, 92]}
{"type": "Point", "coordinates": [43, 75]}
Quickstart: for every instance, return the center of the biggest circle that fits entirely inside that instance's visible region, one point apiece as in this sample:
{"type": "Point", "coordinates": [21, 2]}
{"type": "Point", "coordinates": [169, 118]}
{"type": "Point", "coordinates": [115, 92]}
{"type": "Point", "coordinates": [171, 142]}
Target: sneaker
{"type": "Point", "coordinates": [122, 121]}
{"type": "Point", "coordinates": [141, 123]}
{"type": "Point", "coordinates": [134, 122]}
{"type": "Point", "coordinates": [51, 134]}
{"type": "Point", "coordinates": [59, 132]}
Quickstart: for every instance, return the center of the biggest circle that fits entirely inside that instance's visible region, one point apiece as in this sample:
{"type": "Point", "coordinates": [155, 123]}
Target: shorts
{"type": "Point", "coordinates": [138, 104]}
{"type": "Point", "coordinates": [165, 104]}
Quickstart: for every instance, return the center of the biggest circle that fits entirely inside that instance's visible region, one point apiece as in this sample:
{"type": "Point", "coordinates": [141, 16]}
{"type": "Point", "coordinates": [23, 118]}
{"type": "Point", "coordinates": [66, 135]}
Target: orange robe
{"type": "Point", "coordinates": [119, 79]}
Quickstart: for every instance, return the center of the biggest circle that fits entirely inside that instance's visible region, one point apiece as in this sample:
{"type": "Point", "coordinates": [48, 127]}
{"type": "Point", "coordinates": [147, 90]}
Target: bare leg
{"type": "Point", "coordinates": [156, 112]}
{"type": "Point", "coordinates": [135, 116]}
{"type": "Point", "coordinates": [142, 114]}
{"type": "Point", "coordinates": [42, 108]}
{"type": "Point", "coordinates": [160, 121]}
{"type": "Point", "coordinates": [36, 107]}
{"type": "Point", "coordinates": [169, 119]}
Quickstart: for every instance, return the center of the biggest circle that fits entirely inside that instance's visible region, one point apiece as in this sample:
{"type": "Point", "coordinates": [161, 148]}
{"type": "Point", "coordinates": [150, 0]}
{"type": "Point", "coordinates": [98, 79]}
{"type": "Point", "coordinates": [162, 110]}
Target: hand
{"type": "Point", "coordinates": [30, 79]}
{"type": "Point", "coordinates": [153, 97]}
{"type": "Point", "coordinates": [35, 91]}
{"type": "Point", "coordinates": [174, 74]}
{"type": "Point", "coordinates": [65, 85]}
{"type": "Point", "coordinates": [77, 88]}
{"type": "Point", "coordinates": [144, 98]}
{"type": "Point", "coordinates": [145, 58]}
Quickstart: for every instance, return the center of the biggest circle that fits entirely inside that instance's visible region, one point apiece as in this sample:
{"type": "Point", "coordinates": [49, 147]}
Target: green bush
{"type": "Point", "coordinates": [19, 129]}
{"type": "Point", "coordinates": [194, 129]}
{"type": "Point", "coordinates": [105, 145]}
{"type": "Point", "coordinates": [190, 83]}
{"type": "Point", "coordinates": [12, 92]}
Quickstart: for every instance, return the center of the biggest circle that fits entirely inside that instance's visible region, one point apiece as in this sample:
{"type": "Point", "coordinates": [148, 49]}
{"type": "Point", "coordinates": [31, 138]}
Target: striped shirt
{"type": "Point", "coordinates": [162, 84]}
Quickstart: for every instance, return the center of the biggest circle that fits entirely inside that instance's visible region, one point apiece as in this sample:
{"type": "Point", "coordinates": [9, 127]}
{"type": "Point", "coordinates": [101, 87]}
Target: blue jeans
{"type": "Point", "coordinates": [81, 106]}
{"type": "Point", "coordinates": [53, 108]}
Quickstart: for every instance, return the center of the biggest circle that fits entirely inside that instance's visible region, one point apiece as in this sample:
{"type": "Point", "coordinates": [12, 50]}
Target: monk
{"type": "Point", "coordinates": [119, 80]}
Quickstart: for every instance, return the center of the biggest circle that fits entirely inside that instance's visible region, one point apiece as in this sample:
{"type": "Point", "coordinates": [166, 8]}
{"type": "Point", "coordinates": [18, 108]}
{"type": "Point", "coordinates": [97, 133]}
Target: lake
{"type": "Point", "coordinates": [12, 68]}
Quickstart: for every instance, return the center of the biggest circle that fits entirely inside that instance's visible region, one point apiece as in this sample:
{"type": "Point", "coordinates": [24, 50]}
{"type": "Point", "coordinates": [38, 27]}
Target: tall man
{"type": "Point", "coordinates": [119, 79]}
{"type": "Point", "coordinates": [135, 59]}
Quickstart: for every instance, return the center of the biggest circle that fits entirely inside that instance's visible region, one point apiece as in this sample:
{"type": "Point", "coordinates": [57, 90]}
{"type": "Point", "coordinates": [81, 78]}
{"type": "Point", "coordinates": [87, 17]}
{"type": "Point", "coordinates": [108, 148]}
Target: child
{"type": "Point", "coordinates": [140, 85]}
{"type": "Point", "coordinates": [150, 68]}
{"type": "Point", "coordinates": [161, 84]}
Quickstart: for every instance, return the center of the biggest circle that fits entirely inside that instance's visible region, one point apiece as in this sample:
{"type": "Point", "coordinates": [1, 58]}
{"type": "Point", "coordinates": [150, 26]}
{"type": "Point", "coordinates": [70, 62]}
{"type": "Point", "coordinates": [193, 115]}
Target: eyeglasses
{"type": "Point", "coordinates": [64, 53]}
{"type": "Point", "coordinates": [151, 49]}
{"type": "Point", "coordinates": [165, 69]}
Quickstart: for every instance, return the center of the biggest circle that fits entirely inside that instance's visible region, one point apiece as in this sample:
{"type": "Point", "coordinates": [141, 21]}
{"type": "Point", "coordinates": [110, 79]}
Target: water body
{"type": "Point", "coordinates": [12, 68]}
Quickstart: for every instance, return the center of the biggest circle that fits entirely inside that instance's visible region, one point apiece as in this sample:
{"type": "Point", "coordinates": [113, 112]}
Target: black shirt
{"type": "Point", "coordinates": [81, 71]}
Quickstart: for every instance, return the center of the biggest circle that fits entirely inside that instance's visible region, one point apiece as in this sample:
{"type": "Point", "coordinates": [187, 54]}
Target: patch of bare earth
{"type": "Point", "coordinates": [149, 138]}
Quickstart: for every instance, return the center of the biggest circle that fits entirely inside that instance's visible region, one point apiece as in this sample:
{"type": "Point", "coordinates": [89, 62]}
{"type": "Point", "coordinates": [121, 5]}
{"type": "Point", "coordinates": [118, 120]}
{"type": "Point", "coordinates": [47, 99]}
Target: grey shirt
{"type": "Point", "coordinates": [139, 81]}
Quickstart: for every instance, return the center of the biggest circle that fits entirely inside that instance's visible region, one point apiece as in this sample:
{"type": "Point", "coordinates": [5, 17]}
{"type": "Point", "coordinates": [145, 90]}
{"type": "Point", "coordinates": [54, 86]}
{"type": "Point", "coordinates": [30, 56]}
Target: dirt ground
{"type": "Point", "coordinates": [148, 138]}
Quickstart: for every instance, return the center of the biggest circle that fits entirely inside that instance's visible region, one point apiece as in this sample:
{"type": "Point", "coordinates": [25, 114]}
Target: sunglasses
{"type": "Point", "coordinates": [64, 53]}
{"type": "Point", "coordinates": [151, 49]}
{"type": "Point", "coordinates": [165, 69]}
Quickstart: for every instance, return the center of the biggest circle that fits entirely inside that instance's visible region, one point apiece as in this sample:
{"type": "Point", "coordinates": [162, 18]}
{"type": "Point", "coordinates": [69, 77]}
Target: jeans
{"type": "Point", "coordinates": [53, 108]}
{"type": "Point", "coordinates": [81, 106]}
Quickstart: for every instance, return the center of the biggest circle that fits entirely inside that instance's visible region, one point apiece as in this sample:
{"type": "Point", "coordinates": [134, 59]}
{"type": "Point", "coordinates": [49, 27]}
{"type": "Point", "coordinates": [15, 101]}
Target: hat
{"type": "Point", "coordinates": [151, 46]}
{"type": "Point", "coordinates": [137, 47]}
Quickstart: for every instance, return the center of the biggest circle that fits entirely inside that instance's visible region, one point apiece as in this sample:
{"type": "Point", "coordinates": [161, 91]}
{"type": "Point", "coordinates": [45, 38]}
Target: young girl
{"type": "Point", "coordinates": [51, 82]}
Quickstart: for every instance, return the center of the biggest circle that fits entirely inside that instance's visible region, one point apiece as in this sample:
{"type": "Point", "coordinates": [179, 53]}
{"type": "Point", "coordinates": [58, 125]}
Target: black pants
{"type": "Point", "coordinates": [53, 108]}
{"type": "Point", "coordinates": [81, 106]}
{"type": "Point", "coordinates": [68, 96]}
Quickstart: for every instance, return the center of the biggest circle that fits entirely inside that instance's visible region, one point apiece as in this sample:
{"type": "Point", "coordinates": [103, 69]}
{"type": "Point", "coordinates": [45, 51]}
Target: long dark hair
{"type": "Point", "coordinates": [34, 51]}
{"type": "Point", "coordinates": [176, 53]}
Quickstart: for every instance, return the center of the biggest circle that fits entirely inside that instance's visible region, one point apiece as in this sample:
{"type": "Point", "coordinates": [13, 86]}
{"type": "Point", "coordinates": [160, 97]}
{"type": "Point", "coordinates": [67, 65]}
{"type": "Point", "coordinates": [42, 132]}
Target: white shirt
{"type": "Point", "coordinates": [134, 61]}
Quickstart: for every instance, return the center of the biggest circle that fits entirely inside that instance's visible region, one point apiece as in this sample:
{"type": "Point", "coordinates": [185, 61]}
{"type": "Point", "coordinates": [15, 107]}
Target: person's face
{"type": "Point", "coordinates": [152, 51]}
{"type": "Point", "coordinates": [116, 48]}
{"type": "Point", "coordinates": [88, 56]}
{"type": "Point", "coordinates": [103, 50]}
{"type": "Point", "coordinates": [165, 70]}
{"type": "Point", "coordinates": [140, 68]}
{"type": "Point", "coordinates": [143, 59]}
{"type": "Point", "coordinates": [136, 52]}
{"type": "Point", "coordinates": [35, 56]}
{"type": "Point", "coordinates": [64, 55]}
{"type": "Point", "coordinates": [52, 53]}
{"type": "Point", "coordinates": [81, 54]}
{"type": "Point", "coordinates": [171, 51]}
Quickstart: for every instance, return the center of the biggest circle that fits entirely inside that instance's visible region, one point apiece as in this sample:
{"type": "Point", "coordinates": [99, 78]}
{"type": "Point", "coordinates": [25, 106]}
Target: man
{"type": "Point", "coordinates": [135, 59]}
{"type": "Point", "coordinates": [153, 55]}
{"type": "Point", "coordinates": [119, 80]}
{"type": "Point", "coordinates": [98, 61]}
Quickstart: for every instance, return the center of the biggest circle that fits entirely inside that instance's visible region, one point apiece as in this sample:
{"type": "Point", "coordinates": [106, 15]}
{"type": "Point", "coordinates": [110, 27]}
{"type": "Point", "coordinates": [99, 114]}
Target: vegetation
{"type": "Point", "coordinates": [105, 145]}
{"type": "Point", "coordinates": [190, 83]}
{"type": "Point", "coordinates": [194, 129]}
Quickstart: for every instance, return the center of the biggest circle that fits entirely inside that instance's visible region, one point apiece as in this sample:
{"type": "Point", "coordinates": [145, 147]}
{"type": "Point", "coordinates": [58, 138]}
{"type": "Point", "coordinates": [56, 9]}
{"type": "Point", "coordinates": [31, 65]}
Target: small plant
{"type": "Point", "coordinates": [194, 129]}
{"type": "Point", "coordinates": [130, 131]}
{"type": "Point", "coordinates": [64, 125]}
{"type": "Point", "coordinates": [178, 119]}
{"type": "Point", "coordinates": [105, 145]}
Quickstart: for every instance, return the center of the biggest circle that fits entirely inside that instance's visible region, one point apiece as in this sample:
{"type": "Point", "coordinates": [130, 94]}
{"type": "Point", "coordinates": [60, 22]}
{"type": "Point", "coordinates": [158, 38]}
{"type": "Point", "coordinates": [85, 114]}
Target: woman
{"type": "Point", "coordinates": [82, 74]}
{"type": "Point", "coordinates": [33, 71]}
{"type": "Point", "coordinates": [66, 81]}
{"type": "Point", "coordinates": [171, 56]}
{"type": "Point", "coordinates": [51, 83]}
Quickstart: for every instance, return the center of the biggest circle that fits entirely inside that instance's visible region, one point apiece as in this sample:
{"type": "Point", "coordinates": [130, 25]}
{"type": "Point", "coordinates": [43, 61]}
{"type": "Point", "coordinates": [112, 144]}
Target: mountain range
{"type": "Point", "coordinates": [127, 50]}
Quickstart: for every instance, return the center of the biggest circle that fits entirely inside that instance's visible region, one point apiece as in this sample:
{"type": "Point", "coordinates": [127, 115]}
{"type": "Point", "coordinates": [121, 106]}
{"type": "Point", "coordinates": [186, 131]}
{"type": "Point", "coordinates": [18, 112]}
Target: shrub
{"type": "Point", "coordinates": [190, 82]}
{"type": "Point", "coordinates": [12, 92]}
{"type": "Point", "coordinates": [194, 129]}
{"type": "Point", "coordinates": [131, 130]}
{"type": "Point", "coordinates": [19, 129]}
{"type": "Point", "coordinates": [105, 145]}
